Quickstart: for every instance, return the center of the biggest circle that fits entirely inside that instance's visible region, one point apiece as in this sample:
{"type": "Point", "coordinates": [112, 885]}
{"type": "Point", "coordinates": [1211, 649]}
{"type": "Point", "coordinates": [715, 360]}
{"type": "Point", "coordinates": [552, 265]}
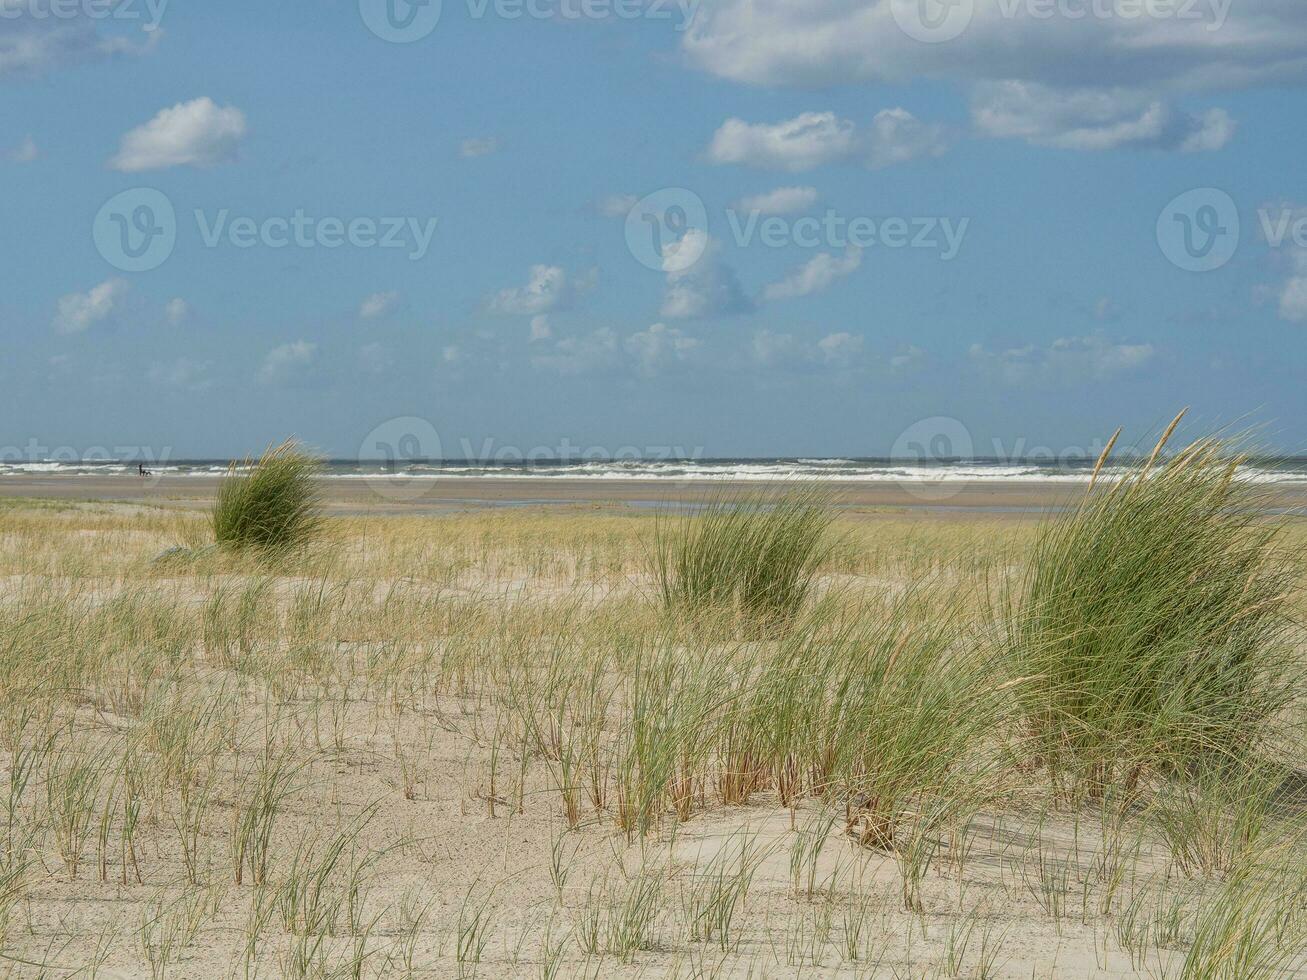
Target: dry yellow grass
{"type": "Point", "coordinates": [431, 747]}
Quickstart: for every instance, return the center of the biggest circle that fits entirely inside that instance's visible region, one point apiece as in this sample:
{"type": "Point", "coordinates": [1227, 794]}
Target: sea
{"type": "Point", "coordinates": [1291, 470]}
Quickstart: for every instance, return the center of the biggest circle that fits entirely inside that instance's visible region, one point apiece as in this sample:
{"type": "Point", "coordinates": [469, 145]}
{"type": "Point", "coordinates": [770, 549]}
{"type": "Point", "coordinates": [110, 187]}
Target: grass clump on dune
{"type": "Point", "coordinates": [271, 504]}
{"type": "Point", "coordinates": [756, 556]}
{"type": "Point", "coordinates": [1151, 627]}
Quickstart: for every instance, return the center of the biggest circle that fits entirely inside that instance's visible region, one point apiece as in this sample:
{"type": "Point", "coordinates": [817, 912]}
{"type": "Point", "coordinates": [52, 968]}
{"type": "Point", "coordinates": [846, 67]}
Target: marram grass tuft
{"type": "Point", "coordinates": [271, 504]}
{"type": "Point", "coordinates": [757, 556]}
{"type": "Point", "coordinates": [1151, 628]}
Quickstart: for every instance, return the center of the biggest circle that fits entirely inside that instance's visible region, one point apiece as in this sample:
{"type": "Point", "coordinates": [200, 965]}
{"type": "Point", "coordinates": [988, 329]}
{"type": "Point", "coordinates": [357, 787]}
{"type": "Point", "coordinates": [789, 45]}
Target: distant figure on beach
{"type": "Point", "coordinates": [141, 470]}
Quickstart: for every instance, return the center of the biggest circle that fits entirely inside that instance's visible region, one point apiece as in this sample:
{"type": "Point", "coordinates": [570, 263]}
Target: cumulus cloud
{"type": "Point", "coordinates": [77, 312]}
{"type": "Point", "coordinates": [660, 346]}
{"type": "Point", "coordinates": [815, 275]}
{"type": "Point", "coordinates": [378, 304]}
{"type": "Point", "coordinates": [288, 362]}
{"type": "Point", "coordinates": [548, 289]}
{"type": "Point", "coordinates": [1293, 292]}
{"type": "Point", "coordinates": [1277, 227]}
{"type": "Point", "coordinates": [802, 143]}
{"type": "Point", "coordinates": [907, 358]}
{"type": "Point", "coordinates": [33, 46]}
{"type": "Point", "coordinates": [598, 350]}
{"type": "Point", "coordinates": [1095, 119]}
{"type": "Point", "coordinates": [1152, 59]}
{"type": "Point", "coordinates": [782, 200]}
{"type": "Point", "coordinates": [1068, 360]}
{"type": "Point", "coordinates": [897, 136]}
{"type": "Point", "coordinates": [478, 146]}
{"type": "Point", "coordinates": [813, 139]}
{"type": "Point", "coordinates": [841, 351]}
{"type": "Point", "coordinates": [540, 328]}
{"type": "Point", "coordinates": [707, 288]}
{"type": "Point", "coordinates": [199, 133]}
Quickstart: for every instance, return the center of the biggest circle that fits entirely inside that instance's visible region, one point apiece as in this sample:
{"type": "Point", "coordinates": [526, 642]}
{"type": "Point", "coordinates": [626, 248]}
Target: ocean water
{"type": "Point", "coordinates": [1291, 470]}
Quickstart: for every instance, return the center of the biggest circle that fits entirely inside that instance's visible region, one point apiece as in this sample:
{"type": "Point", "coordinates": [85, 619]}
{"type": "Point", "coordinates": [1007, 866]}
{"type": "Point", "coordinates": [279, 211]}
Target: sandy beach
{"type": "Point", "coordinates": [1025, 498]}
{"type": "Point", "coordinates": [462, 735]}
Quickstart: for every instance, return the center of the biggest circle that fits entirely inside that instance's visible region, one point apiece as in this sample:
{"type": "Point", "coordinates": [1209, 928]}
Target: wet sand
{"type": "Point", "coordinates": [381, 496]}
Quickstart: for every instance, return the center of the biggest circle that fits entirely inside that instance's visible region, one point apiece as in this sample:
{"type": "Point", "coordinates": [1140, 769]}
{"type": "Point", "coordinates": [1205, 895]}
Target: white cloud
{"type": "Point", "coordinates": [840, 349]}
{"type": "Point", "coordinates": [660, 346]}
{"type": "Point", "coordinates": [782, 200]}
{"type": "Point", "coordinates": [78, 311]}
{"type": "Point", "coordinates": [1275, 228]}
{"type": "Point", "coordinates": [181, 373]}
{"type": "Point", "coordinates": [617, 205]}
{"type": "Point", "coordinates": [548, 289]}
{"type": "Point", "coordinates": [1094, 119]}
{"type": "Point", "coordinates": [26, 151]}
{"type": "Point", "coordinates": [478, 146]}
{"type": "Point", "coordinates": [1149, 60]}
{"type": "Point", "coordinates": [176, 310]}
{"type": "Point", "coordinates": [897, 136]}
{"type": "Point", "coordinates": [815, 275]}
{"type": "Point", "coordinates": [198, 133]}
{"type": "Point", "coordinates": [582, 354]}
{"type": "Point", "coordinates": [807, 141]}
{"type": "Point", "coordinates": [812, 139]}
{"type": "Point", "coordinates": [783, 352]}
{"type": "Point", "coordinates": [287, 362]}
{"type": "Point", "coordinates": [32, 46]}
{"type": "Point", "coordinates": [540, 329]}
{"type": "Point", "coordinates": [378, 304]}
{"type": "Point", "coordinates": [908, 357]}
{"type": "Point", "coordinates": [1068, 360]}
{"type": "Point", "coordinates": [707, 288]}
{"type": "Point", "coordinates": [1293, 294]}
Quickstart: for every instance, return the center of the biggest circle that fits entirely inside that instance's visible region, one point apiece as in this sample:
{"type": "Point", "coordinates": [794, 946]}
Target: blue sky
{"type": "Point", "coordinates": [1049, 136]}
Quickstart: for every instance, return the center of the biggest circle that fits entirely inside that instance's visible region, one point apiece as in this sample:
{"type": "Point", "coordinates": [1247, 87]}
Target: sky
{"type": "Point", "coordinates": [664, 227]}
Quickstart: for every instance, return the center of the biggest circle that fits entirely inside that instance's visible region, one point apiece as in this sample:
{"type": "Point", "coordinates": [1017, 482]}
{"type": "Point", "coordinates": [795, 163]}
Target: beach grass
{"type": "Point", "coordinates": [269, 504]}
{"type": "Point", "coordinates": [486, 744]}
